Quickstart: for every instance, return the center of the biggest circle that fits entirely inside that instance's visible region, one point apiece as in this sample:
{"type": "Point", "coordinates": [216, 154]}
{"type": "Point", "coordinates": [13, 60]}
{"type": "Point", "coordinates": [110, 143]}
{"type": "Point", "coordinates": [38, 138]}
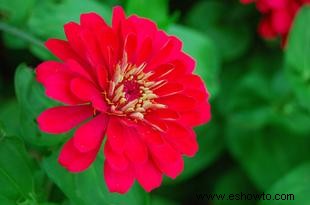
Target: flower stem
{"type": "Point", "coordinates": [21, 34]}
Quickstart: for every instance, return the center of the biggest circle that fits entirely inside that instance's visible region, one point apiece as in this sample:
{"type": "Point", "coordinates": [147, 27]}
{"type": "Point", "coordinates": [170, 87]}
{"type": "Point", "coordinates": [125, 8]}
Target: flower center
{"type": "Point", "coordinates": [131, 92]}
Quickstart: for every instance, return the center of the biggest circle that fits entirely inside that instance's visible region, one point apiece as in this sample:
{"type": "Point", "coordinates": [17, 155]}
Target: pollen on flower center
{"type": "Point", "coordinates": [131, 92]}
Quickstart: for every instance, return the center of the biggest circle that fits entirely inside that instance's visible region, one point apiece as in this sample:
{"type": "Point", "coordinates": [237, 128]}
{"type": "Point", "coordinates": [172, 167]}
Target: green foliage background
{"type": "Point", "coordinates": [257, 141]}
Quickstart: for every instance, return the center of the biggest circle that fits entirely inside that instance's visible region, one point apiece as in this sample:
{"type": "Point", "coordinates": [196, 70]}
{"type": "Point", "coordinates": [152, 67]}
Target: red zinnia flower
{"type": "Point", "coordinates": [278, 16]}
{"type": "Point", "coordinates": [131, 82]}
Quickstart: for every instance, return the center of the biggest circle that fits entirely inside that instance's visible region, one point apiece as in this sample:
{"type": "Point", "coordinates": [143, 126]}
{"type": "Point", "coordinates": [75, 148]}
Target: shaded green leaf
{"type": "Point", "coordinates": [294, 187]}
{"type": "Point", "coordinates": [9, 115]}
{"type": "Point", "coordinates": [211, 18]}
{"type": "Point", "coordinates": [32, 101]}
{"type": "Point", "coordinates": [157, 200]}
{"type": "Point", "coordinates": [16, 177]}
{"type": "Point", "coordinates": [266, 154]}
{"type": "Point", "coordinates": [234, 181]}
{"type": "Point", "coordinates": [88, 186]}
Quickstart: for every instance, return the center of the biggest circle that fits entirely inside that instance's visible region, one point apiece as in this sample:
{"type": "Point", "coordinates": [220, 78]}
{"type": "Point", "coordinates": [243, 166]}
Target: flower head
{"type": "Point", "coordinates": [131, 82]}
{"type": "Point", "coordinates": [278, 16]}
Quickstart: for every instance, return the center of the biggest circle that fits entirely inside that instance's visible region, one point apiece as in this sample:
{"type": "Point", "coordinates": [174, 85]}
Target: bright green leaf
{"type": "Point", "coordinates": [157, 10]}
{"type": "Point", "coordinates": [298, 56]}
{"type": "Point", "coordinates": [16, 11]}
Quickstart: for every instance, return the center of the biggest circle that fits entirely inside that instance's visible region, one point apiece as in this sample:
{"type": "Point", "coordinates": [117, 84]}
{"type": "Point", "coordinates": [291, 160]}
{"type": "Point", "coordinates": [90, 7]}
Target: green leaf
{"type": "Point", "coordinates": [9, 115]}
{"type": "Point", "coordinates": [12, 11]}
{"type": "Point", "coordinates": [297, 56]}
{"type": "Point", "coordinates": [233, 182]}
{"type": "Point", "coordinates": [89, 186]}
{"type": "Point", "coordinates": [156, 10]}
{"type": "Point", "coordinates": [265, 153]}
{"type": "Point", "coordinates": [157, 200]}
{"type": "Point", "coordinates": [48, 17]}
{"type": "Point", "coordinates": [6, 201]}
{"type": "Point", "coordinates": [32, 101]}
{"type": "Point", "coordinates": [211, 17]}
{"type": "Point", "coordinates": [295, 183]}
{"type": "Point", "coordinates": [202, 49]}
{"type": "Point", "coordinates": [264, 121]}
{"type": "Point", "coordinates": [16, 177]}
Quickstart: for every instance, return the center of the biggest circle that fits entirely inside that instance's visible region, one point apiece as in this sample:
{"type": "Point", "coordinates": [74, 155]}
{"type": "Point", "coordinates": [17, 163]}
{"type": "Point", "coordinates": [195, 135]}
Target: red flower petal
{"type": "Point", "coordinates": [74, 160]}
{"type": "Point", "coordinates": [118, 181]}
{"type": "Point", "coordinates": [183, 139]}
{"type": "Point", "coordinates": [48, 68]}
{"type": "Point", "coordinates": [61, 49]}
{"type": "Point", "coordinates": [135, 149]}
{"type": "Point", "coordinates": [102, 76]}
{"type": "Point", "coordinates": [77, 69]}
{"type": "Point", "coordinates": [265, 29]}
{"type": "Point", "coordinates": [73, 31]}
{"type": "Point", "coordinates": [117, 161]}
{"type": "Point", "coordinates": [116, 135]}
{"type": "Point", "coordinates": [61, 119]}
{"type": "Point", "coordinates": [281, 21]}
{"type": "Point", "coordinates": [118, 17]}
{"type": "Point", "coordinates": [89, 136]}
{"type": "Point", "coordinates": [168, 159]}
{"type": "Point", "coordinates": [57, 87]}
{"type": "Point", "coordinates": [87, 92]}
{"type": "Point", "coordinates": [92, 21]}
{"type": "Point", "coordinates": [148, 175]}
{"type": "Point", "coordinates": [200, 115]}
{"type": "Point", "coordinates": [178, 102]}
{"type": "Point", "coordinates": [169, 89]}
{"type": "Point", "coordinates": [130, 45]}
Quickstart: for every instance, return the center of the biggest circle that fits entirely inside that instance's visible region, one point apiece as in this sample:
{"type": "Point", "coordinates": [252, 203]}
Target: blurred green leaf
{"type": "Point", "coordinates": [297, 183]}
{"type": "Point", "coordinates": [264, 122]}
{"type": "Point", "coordinates": [218, 20]}
{"type": "Point", "coordinates": [32, 101]}
{"type": "Point", "coordinates": [9, 115]}
{"type": "Point", "coordinates": [16, 177]}
{"type": "Point", "coordinates": [266, 154]}
{"type": "Point", "coordinates": [233, 181]}
{"type": "Point", "coordinates": [16, 11]}
{"type": "Point", "coordinates": [6, 201]}
{"type": "Point", "coordinates": [48, 17]}
{"type": "Point", "coordinates": [89, 186]}
{"type": "Point", "coordinates": [157, 10]}
{"type": "Point", "coordinates": [298, 58]}
{"type": "Point", "coordinates": [13, 13]}
{"type": "Point", "coordinates": [202, 49]}
{"type": "Point", "coordinates": [156, 200]}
